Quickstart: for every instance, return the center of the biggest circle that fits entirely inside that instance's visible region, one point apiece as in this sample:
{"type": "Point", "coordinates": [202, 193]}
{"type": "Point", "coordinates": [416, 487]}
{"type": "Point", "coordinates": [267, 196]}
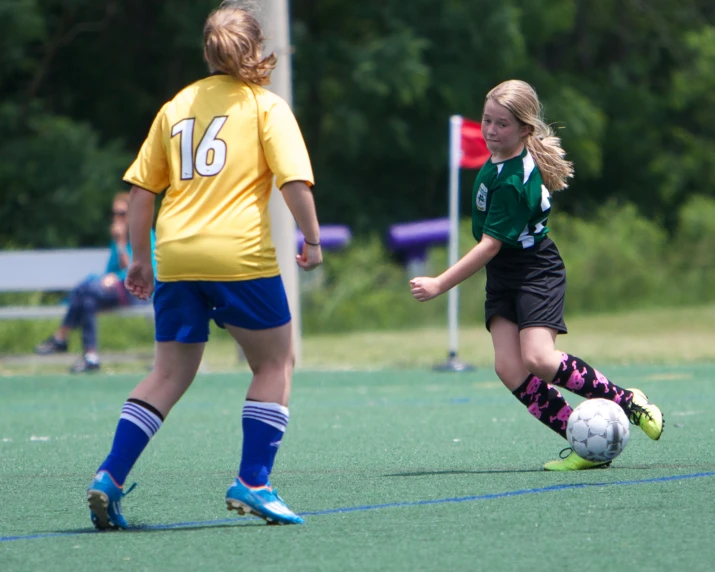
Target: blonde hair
{"type": "Point", "coordinates": [521, 99]}
{"type": "Point", "coordinates": [233, 41]}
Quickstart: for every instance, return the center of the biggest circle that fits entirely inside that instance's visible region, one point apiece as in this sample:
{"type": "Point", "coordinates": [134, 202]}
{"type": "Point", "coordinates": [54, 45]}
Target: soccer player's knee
{"type": "Point", "coordinates": [538, 363]}
{"type": "Point", "coordinates": [276, 365]}
{"type": "Point", "coordinates": [505, 371]}
{"type": "Point", "coordinates": [84, 287]}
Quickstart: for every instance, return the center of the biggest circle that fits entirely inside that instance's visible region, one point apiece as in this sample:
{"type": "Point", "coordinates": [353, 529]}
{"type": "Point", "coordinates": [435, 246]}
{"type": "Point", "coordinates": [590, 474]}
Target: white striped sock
{"type": "Point", "coordinates": [273, 414]}
{"type": "Point", "coordinates": [146, 420]}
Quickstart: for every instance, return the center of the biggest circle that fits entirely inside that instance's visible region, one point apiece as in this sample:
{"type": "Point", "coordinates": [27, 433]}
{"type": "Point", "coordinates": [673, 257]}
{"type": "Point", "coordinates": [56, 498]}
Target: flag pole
{"type": "Point", "coordinates": [455, 154]}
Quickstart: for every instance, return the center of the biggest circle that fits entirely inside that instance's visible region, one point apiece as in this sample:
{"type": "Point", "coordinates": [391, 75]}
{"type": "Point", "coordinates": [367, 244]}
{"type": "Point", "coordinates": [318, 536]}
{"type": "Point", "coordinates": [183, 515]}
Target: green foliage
{"type": "Point", "coordinates": [357, 288]}
{"type": "Point", "coordinates": [613, 261]}
{"type": "Point", "coordinates": [21, 24]}
{"type": "Point", "coordinates": [56, 184]}
{"type": "Point", "coordinates": [687, 166]}
{"type": "Point", "coordinates": [583, 134]}
{"type": "Point", "coordinates": [691, 252]}
{"type": "Point", "coordinates": [605, 71]}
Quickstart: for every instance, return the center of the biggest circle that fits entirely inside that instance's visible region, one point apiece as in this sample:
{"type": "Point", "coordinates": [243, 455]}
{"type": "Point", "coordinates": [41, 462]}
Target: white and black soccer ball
{"type": "Point", "coordinates": [598, 430]}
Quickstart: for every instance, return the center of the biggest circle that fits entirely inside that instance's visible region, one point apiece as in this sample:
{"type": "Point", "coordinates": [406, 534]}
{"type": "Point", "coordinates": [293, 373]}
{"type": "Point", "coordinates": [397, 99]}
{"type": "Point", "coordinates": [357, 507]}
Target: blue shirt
{"type": "Point", "coordinates": [113, 266]}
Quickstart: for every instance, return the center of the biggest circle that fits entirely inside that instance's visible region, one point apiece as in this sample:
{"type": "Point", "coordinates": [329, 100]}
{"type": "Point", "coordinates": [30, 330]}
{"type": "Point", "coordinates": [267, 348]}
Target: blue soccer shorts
{"type": "Point", "coordinates": [183, 309]}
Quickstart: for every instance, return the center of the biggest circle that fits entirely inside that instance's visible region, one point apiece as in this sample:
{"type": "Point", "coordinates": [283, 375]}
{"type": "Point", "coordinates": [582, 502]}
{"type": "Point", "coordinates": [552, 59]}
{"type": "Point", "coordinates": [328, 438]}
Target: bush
{"type": "Point", "coordinates": [690, 255]}
{"type": "Point", "coordinates": [612, 262]}
{"type": "Point", "coordinates": [359, 288]}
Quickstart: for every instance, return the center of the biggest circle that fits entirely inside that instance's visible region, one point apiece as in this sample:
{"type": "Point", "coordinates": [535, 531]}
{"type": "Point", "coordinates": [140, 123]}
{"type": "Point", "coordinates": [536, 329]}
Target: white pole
{"type": "Point", "coordinates": [275, 23]}
{"type": "Point", "coordinates": [455, 154]}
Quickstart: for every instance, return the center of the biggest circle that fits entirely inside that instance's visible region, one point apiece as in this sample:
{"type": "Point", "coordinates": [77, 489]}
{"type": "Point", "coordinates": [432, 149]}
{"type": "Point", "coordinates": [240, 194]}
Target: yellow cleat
{"type": "Point", "coordinates": [646, 415]}
{"type": "Point", "coordinates": [572, 462]}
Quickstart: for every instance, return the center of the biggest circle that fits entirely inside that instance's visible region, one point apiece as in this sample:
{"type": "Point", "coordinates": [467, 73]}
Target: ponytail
{"type": "Point", "coordinates": [549, 157]}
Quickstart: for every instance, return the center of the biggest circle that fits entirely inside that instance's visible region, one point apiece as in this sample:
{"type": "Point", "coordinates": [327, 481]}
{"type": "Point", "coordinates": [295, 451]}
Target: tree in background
{"type": "Point", "coordinates": [56, 178]}
{"type": "Point", "coordinates": [375, 82]}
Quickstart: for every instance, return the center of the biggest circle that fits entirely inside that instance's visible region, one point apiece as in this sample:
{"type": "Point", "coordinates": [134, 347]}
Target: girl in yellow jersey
{"type": "Point", "coordinates": [215, 149]}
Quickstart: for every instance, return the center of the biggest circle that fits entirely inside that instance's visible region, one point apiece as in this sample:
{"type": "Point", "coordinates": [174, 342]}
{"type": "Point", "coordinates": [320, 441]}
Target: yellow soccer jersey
{"type": "Point", "coordinates": [215, 148]}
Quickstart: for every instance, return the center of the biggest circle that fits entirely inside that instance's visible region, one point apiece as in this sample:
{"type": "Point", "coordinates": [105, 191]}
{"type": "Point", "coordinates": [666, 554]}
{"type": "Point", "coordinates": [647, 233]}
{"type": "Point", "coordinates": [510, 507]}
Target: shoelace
{"type": "Point", "coordinates": [637, 411]}
{"type": "Point", "coordinates": [274, 490]}
{"type": "Point", "coordinates": [567, 450]}
{"type": "Point", "coordinates": [130, 489]}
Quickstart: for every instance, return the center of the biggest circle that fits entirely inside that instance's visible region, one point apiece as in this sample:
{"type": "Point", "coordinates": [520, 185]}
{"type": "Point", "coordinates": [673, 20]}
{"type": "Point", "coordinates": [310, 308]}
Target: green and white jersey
{"type": "Point", "coordinates": [510, 202]}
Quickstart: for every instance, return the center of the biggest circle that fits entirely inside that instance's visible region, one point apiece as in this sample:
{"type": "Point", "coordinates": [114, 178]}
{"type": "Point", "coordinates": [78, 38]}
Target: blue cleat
{"type": "Point", "coordinates": [262, 502]}
{"type": "Point", "coordinates": [104, 497]}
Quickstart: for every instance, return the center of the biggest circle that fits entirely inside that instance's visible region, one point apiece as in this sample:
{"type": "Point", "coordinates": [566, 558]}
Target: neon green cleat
{"type": "Point", "coordinates": [646, 415]}
{"type": "Point", "coordinates": [572, 462]}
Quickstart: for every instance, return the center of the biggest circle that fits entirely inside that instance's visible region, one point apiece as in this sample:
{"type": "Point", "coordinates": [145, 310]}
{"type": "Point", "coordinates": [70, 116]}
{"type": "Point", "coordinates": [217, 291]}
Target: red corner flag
{"type": "Point", "coordinates": [474, 148]}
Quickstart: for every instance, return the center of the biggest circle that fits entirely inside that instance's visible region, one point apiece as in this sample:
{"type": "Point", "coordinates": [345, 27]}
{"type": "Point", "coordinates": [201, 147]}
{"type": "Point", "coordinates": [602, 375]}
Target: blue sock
{"type": "Point", "coordinates": [263, 428]}
{"type": "Point", "coordinates": [138, 423]}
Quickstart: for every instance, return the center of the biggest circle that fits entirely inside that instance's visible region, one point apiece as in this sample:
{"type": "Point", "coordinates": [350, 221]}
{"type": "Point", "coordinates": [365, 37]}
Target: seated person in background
{"type": "Point", "coordinates": [96, 293]}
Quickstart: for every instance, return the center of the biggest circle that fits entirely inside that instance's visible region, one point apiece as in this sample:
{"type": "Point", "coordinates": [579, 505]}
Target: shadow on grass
{"type": "Point", "coordinates": [497, 471]}
{"type": "Point", "coordinates": [144, 528]}
{"type": "Point", "coordinates": [197, 526]}
{"type": "Point", "coordinates": [462, 472]}
{"type": "Point", "coordinates": [669, 466]}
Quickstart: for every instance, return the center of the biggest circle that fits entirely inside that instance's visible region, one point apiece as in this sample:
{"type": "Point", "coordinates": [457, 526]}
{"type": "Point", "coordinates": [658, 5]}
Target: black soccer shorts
{"type": "Point", "coordinates": [527, 287]}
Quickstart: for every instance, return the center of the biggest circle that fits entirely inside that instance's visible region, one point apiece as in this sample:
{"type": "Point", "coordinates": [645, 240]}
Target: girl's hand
{"type": "Point", "coordinates": [140, 279]}
{"type": "Point", "coordinates": [310, 258]}
{"type": "Point", "coordinates": [424, 288]}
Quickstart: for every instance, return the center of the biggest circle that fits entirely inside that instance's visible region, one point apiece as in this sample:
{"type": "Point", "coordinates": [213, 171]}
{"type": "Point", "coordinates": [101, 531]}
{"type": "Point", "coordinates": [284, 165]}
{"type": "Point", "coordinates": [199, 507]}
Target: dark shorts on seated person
{"type": "Point", "coordinates": [183, 309]}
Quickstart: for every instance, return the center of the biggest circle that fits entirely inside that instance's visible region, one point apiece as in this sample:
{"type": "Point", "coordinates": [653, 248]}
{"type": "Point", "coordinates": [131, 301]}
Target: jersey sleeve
{"type": "Point", "coordinates": [150, 169]}
{"type": "Point", "coordinates": [508, 214]}
{"type": "Point", "coordinates": [283, 145]}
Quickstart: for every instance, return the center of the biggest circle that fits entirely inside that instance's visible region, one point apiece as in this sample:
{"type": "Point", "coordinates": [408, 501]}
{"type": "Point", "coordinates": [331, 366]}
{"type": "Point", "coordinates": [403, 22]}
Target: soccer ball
{"type": "Point", "coordinates": [598, 430]}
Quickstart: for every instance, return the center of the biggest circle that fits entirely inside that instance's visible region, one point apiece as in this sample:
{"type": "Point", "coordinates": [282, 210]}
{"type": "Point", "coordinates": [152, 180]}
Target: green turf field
{"type": "Point", "coordinates": [393, 470]}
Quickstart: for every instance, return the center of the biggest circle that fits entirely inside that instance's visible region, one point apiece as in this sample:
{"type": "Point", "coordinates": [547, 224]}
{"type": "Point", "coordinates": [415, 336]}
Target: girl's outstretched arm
{"type": "Point", "coordinates": [425, 288]}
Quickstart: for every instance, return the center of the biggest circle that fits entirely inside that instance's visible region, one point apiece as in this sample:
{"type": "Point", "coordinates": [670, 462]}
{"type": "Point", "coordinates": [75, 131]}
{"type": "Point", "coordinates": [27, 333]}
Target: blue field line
{"type": "Point", "coordinates": [492, 496]}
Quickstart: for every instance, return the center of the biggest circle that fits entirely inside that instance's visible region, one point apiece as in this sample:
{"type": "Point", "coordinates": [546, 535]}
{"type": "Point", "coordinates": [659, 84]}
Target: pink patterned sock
{"type": "Point", "coordinates": [544, 402]}
{"type": "Point", "coordinates": [577, 376]}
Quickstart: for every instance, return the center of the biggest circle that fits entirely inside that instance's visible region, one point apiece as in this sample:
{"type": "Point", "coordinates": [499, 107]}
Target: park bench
{"type": "Point", "coordinates": [57, 270]}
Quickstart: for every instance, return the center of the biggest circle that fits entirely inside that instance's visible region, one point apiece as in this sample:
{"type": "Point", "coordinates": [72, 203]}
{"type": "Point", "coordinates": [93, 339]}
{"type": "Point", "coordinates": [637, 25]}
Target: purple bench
{"type": "Point", "coordinates": [412, 239]}
{"type": "Point", "coordinates": [332, 237]}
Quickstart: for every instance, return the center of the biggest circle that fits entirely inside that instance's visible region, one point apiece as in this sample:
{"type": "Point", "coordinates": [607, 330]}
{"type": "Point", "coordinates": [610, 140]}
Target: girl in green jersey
{"type": "Point", "coordinates": [526, 278]}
